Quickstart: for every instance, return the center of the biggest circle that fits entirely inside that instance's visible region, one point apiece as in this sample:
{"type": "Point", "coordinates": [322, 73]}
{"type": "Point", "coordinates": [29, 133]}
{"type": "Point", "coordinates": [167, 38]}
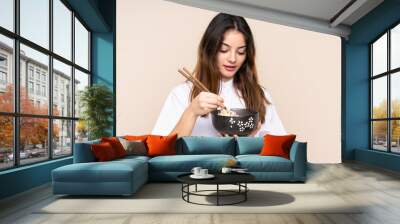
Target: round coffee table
{"type": "Point", "coordinates": [238, 179]}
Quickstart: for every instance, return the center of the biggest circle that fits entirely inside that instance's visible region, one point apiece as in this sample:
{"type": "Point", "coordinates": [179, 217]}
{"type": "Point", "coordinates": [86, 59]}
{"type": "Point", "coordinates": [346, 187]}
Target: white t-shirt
{"type": "Point", "coordinates": [178, 100]}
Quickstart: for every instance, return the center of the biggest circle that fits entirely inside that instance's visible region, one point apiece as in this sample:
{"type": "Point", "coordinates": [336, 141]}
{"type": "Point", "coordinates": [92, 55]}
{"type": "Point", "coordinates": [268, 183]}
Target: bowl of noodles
{"type": "Point", "coordinates": [235, 121]}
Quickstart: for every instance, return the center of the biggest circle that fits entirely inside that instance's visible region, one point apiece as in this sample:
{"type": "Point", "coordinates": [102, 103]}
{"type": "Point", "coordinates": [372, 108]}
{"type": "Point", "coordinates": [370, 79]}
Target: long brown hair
{"type": "Point", "coordinates": [245, 79]}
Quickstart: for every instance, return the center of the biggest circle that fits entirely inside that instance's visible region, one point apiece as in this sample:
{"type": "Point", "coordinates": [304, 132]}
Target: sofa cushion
{"type": "Point", "coordinates": [134, 147]}
{"type": "Point", "coordinates": [195, 145]}
{"type": "Point", "coordinates": [116, 145]}
{"type": "Point", "coordinates": [249, 145]}
{"type": "Point", "coordinates": [275, 145]}
{"type": "Point", "coordinates": [83, 152]}
{"type": "Point", "coordinates": [257, 163]}
{"type": "Point", "coordinates": [111, 171]}
{"type": "Point", "coordinates": [136, 137]}
{"type": "Point", "coordinates": [185, 163]}
{"type": "Point", "coordinates": [103, 152]}
{"type": "Point", "coordinates": [161, 145]}
{"type": "Point", "coordinates": [131, 158]}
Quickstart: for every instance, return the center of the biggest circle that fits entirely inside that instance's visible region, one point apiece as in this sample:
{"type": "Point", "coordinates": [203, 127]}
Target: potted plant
{"type": "Point", "coordinates": [96, 102]}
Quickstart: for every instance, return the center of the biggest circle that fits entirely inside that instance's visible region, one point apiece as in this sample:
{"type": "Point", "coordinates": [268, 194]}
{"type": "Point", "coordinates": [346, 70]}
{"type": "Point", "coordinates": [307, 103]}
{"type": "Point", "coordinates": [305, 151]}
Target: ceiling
{"type": "Point", "coordinates": [327, 16]}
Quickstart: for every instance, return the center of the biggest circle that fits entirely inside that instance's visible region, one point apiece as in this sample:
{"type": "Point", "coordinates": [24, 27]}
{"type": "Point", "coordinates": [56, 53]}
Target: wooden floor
{"type": "Point", "coordinates": [377, 188]}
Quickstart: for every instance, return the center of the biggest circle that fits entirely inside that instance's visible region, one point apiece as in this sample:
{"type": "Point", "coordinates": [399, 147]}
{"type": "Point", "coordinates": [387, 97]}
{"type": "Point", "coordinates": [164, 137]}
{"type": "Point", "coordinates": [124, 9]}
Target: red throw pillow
{"type": "Point", "coordinates": [161, 145]}
{"type": "Point", "coordinates": [103, 151]}
{"type": "Point", "coordinates": [277, 145]}
{"type": "Point", "coordinates": [116, 145]}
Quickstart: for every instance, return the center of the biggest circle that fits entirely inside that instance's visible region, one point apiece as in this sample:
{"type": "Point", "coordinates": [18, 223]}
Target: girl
{"type": "Point", "coordinates": [226, 66]}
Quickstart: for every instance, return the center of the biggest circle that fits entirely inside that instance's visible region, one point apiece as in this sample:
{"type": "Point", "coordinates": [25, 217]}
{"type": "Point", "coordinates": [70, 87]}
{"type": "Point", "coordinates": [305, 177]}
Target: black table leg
{"type": "Point", "coordinates": [182, 190]}
{"type": "Point", "coordinates": [196, 188]}
{"type": "Point", "coordinates": [245, 193]}
{"type": "Point", "coordinates": [188, 189]}
{"type": "Point", "coordinates": [217, 194]}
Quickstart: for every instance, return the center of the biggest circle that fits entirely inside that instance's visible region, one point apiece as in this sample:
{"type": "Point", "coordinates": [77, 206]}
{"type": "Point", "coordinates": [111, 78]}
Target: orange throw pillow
{"type": "Point", "coordinates": [103, 151]}
{"type": "Point", "coordinates": [161, 145]}
{"type": "Point", "coordinates": [135, 138]}
{"type": "Point", "coordinates": [277, 145]}
{"type": "Point", "coordinates": [116, 145]}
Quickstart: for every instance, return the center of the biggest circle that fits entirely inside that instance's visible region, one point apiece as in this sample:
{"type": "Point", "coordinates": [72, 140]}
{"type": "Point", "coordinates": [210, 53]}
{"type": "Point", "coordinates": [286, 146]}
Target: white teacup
{"type": "Point", "coordinates": [196, 170]}
{"type": "Point", "coordinates": [226, 170]}
{"type": "Point", "coordinates": [203, 172]}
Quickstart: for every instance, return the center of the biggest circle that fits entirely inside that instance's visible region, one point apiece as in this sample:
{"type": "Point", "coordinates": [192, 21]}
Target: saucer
{"type": "Point", "coordinates": [208, 176]}
{"type": "Point", "coordinates": [240, 171]}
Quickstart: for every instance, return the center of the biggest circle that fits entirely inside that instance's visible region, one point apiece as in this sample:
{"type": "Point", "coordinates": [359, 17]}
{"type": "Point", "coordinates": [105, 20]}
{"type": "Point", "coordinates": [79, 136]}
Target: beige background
{"type": "Point", "coordinates": [301, 69]}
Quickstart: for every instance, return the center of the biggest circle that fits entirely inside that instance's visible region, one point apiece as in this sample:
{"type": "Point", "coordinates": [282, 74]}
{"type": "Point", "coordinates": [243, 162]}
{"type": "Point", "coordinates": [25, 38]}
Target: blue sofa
{"type": "Point", "coordinates": [125, 176]}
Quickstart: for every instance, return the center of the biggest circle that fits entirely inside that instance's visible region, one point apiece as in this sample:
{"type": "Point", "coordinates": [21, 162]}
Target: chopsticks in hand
{"type": "Point", "coordinates": [188, 75]}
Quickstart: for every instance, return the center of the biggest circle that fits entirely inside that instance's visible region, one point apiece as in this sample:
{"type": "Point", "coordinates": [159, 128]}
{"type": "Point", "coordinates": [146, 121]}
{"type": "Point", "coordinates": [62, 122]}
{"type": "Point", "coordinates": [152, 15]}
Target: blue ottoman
{"type": "Point", "coordinates": [118, 177]}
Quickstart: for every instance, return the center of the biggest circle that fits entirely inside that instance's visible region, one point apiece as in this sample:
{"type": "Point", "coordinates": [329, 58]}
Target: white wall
{"type": "Point", "coordinates": [301, 69]}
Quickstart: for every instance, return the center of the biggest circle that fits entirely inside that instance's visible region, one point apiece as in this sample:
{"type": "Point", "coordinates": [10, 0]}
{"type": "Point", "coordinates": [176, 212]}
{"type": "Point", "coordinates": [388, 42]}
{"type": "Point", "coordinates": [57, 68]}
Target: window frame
{"type": "Point", "coordinates": [3, 77]}
{"type": "Point", "coordinates": [388, 74]}
{"type": "Point", "coordinates": [3, 70]}
{"type": "Point", "coordinates": [16, 115]}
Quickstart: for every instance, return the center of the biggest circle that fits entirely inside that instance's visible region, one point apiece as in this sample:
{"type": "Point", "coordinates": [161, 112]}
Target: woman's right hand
{"type": "Point", "coordinates": [205, 102]}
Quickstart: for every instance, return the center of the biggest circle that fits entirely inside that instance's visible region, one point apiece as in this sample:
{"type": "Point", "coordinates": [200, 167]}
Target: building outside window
{"type": "Point", "coordinates": [30, 72]}
{"type": "Point", "coordinates": [30, 87]}
{"type": "Point", "coordinates": [44, 77]}
{"type": "Point", "coordinates": [3, 61]}
{"type": "Point", "coordinates": [55, 100]}
{"type": "Point", "coordinates": [43, 90]}
{"type": "Point", "coordinates": [3, 72]}
{"type": "Point", "coordinates": [38, 89]}
{"type": "Point", "coordinates": [3, 78]}
{"type": "Point", "coordinates": [37, 75]}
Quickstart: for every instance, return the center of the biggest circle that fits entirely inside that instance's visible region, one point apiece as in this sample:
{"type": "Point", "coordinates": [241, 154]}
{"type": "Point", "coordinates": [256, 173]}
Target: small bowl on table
{"type": "Point", "coordinates": [242, 124]}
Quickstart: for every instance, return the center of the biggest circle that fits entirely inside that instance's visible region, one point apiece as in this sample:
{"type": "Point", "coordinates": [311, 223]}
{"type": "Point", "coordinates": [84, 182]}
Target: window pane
{"type": "Point", "coordinates": [62, 137]}
{"type": "Point", "coordinates": [395, 136]}
{"type": "Point", "coordinates": [81, 45]}
{"type": "Point", "coordinates": [81, 81]}
{"type": "Point", "coordinates": [6, 74]}
{"type": "Point", "coordinates": [62, 29]}
{"type": "Point", "coordinates": [7, 14]}
{"type": "Point", "coordinates": [33, 140]}
{"type": "Point", "coordinates": [35, 21]}
{"type": "Point", "coordinates": [379, 55]}
{"type": "Point", "coordinates": [62, 89]}
{"type": "Point", "coordinates": [379, 100]}
{"type": "Point", "coordinates": [34, 97]}
{"type": "Point", "coordinates": [6, 142]}
{"type": "Point", "coordinates": [395, 94]}
{"type": "Point", "coordinates": [395, 47]}
{"type": "Point", "coordinates": [81, 131]}
{"type": "Point", "coordinates": [379, 135]}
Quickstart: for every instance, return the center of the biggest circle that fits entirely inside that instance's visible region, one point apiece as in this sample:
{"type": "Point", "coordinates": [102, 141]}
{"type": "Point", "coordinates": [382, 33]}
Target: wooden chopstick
{"type": "Point", "coordinates": [194, 78]}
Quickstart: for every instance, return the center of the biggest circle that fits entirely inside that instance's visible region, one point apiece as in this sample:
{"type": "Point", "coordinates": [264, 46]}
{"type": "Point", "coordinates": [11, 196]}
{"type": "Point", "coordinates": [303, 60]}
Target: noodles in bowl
{"type": "Point", "coordinates": [227, 112]}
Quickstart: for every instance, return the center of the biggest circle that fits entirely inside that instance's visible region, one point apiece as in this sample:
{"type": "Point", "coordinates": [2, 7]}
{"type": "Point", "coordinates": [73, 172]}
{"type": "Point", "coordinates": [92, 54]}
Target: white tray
{"type": "Point", "coordinates": [208, 176]}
